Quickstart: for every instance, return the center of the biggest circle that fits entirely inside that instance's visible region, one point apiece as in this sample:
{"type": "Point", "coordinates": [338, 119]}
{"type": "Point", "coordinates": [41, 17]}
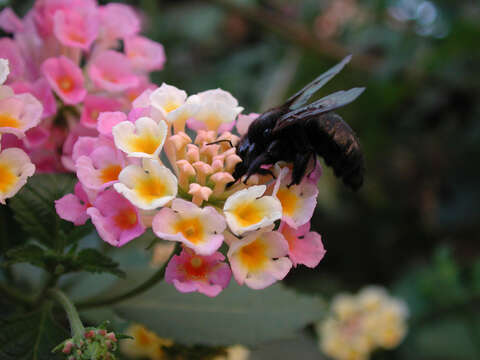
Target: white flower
{"type": "Point", "coordinates": [247, 210]}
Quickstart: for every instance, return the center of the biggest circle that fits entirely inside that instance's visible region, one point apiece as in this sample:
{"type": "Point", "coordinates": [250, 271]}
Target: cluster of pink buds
{"type": "Point", "coordinates": [67, 54]}
{"type": "Point", "coordinates": [96, 343]}
{"type": "Point", "coordinates": [145, 169]}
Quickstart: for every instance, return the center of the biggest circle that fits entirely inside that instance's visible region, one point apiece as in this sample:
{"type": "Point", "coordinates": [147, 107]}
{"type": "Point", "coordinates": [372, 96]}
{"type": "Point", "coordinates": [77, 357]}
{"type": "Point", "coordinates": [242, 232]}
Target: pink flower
{"type": "Point", "coordinates": [15, 169]}
{"type": "Point", "coordinates": [298, 201]}
{"type": "Point", "coordinates": [9, 21]}
{"type": "Point", "coordinates": [304, 247]}
{"type": "Point", "coordinates": [9, 50]}
{"type": "Point", "coordinates": [190, 272]}
{"type": "Point", "coordinates": [117, 221]}
{"type": "Point", "coordinates": [77, 27]}
{"type": "Point", "coordinates": [112, 71]}
{"type": "Point", "coordinates": [259, 259]}
{"type": "Point", "coordinates": [65, 78]}
{"type": "Point", "coordinates": [144, 54]}
{"type": "Point", "coordinates": [118, 21]}
{"type": "Point", "coordinates": [100, 168]}
{"type": "Point", "coordinates": [134, 92]}
{"type": "Point", "coordinates": [41, 90]}
{"type": "Point", "coordinates": [198, 228]}
{"type": "Point", "coordinates": [19, 113]}
{"type": "Point", "coordinates": [73, 207]}
{"type": "Point", "coordinates": [44, 12]}
{"type": "Point", "coordinates": [94, 105]}
{"type": "Point", "coordinates": [108, 120]}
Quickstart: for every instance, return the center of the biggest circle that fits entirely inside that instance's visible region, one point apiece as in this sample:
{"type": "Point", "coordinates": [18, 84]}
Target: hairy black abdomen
{"type": "Point", "coordinates": [336, 142]}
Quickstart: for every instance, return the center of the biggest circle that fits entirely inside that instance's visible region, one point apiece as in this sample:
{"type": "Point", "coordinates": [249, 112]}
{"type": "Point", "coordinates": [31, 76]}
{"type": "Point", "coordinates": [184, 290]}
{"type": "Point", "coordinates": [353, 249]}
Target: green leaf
{"type": "Point", "coordinates": [237, 315]}
{"type": "Point", "coordinates": [34, 208]}
{"type": "Point", "coordinates": [90, 260]}
{"type": "Point", "coordinates": [31, 336]}
{"type": "Point", "coordinates": [31, 253]}
{"type": "Point", "coordinates": [93, 261]}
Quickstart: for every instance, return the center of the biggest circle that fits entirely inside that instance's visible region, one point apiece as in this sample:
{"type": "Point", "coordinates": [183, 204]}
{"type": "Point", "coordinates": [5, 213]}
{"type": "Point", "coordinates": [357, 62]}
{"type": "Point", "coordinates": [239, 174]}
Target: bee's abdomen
{"type": "Point", "coordinates": [338, 145]}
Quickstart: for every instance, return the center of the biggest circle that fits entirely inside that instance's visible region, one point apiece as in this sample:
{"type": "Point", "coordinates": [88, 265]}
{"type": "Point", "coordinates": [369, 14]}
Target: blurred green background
{"type": "Point", "coordinates": [414, 227]}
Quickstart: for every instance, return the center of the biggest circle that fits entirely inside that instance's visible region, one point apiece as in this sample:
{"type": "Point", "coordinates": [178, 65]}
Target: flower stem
{"type": "Point", "coordinates": [149, 283]}
{"type": "Point", "coordinates": [76, 325]}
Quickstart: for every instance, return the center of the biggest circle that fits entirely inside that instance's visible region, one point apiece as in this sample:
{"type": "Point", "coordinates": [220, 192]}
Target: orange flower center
{"type": "Point", "coordinates": [288, 199]}
{"type": "Point", "coordinates": [253, 256]}
{"type": "Point", "coordinates": [146, 144]}
{"type": "Point", "coordinates": [196, 267]}
{"type": "Point", "coordinates": [192, 229]}
{"type": "Point", "coordinates": [7, 178]}
{"type": "Point", "coordinates": [248, 214]}
{"type": "Point", "coordinates": [8, 121]}
{"type": "Point", "coordinates": [76, 37]}
{"type": "Point", "coordinates": [110, 173]}
{"type": "Point", "coordinates": [126, 219]}
{"type": "Point", "coordinates": [65, 83]}
{"type": "Point", "coordinates": [151, 188]}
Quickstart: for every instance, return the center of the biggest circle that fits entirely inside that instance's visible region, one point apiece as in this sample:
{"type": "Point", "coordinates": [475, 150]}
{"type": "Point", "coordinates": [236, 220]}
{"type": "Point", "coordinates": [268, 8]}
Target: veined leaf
{"type": "Point", "coordinates": [34, 209]}
{"type": "Point", "coordinates": [237, 315]}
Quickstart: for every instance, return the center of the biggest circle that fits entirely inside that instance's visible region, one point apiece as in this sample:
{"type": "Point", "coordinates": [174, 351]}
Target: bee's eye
{"type": "Point", "coordinates": [267, 132]}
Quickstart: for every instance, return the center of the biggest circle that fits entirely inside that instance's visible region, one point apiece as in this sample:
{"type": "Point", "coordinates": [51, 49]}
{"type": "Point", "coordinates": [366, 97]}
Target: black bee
{"type": "Point", "coordinates": [296, 133]}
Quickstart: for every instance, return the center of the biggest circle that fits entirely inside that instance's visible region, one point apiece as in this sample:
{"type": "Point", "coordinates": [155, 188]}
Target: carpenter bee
{"type": "Point", "coordinates": [296, 133]}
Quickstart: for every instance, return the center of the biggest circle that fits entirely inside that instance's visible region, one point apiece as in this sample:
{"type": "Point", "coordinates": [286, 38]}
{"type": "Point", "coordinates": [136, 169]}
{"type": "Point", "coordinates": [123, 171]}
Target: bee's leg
{"type": "Point", "coordinates": [300, 168]}
{"type": "Point", "coordinates": [255, 166]}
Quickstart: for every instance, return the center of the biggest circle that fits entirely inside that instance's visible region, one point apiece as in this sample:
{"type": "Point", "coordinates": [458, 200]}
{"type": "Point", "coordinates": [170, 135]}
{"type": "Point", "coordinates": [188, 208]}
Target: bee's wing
{"type": "Point", "coordinates": [325, 104]}
{"type": "Point", "coordinates": [301, 97]}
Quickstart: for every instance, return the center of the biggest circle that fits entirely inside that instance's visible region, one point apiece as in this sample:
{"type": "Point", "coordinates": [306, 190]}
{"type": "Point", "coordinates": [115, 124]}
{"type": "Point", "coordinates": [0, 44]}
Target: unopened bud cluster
{"type": "Point", "coordinates": [96, 343]}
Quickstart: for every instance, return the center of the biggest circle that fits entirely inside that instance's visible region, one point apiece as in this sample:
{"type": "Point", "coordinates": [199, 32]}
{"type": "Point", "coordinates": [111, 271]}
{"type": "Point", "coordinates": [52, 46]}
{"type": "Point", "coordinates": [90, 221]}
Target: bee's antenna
{"type": "Point", "coordinates": [223, 140]}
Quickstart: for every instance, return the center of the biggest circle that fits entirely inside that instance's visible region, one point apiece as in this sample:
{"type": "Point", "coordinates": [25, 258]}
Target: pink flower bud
{"type": "Point", "coordinates": [68, 347]}
{"type": "Point", "coordinates": [199, 193]}
{"type": "Point", "coordinates": [203, 170]}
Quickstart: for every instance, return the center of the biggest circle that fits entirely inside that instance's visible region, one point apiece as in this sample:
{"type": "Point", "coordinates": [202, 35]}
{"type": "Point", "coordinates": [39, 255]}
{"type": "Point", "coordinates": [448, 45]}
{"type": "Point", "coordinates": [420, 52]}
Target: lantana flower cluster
{"type": "Point", "coordinates": [361, 323]}
{"type": "Point", "coordinates": [79, 59]}
{"type": "Point", "coordinates": [19, 113]}
{"type": "Point", "coordinates": [145, 169]}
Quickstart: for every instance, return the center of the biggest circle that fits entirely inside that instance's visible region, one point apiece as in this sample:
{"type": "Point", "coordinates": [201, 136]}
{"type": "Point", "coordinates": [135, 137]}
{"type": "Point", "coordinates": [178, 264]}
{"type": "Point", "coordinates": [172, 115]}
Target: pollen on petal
{"type": "Point", "coordinates": [8, 121]}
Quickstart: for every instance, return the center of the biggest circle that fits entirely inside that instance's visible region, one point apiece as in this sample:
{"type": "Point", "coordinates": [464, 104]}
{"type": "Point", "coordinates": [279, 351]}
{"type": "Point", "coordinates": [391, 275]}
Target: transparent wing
{"type": "Point", "coordinates": [301, 97]}
{"type": "Point", "coordinates": [323, 105]}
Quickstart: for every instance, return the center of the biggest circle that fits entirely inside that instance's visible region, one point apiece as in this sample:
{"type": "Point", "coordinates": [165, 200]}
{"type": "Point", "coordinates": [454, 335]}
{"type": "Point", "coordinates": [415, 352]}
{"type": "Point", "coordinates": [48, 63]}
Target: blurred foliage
{"type": "Point", "coordinates": [418, 122]}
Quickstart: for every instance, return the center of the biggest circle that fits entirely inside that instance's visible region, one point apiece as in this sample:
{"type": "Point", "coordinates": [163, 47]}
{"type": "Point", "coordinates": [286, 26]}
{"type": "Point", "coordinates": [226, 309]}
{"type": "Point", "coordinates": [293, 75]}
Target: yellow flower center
{"type": "Point", "coordinates": [192, 230]}
{"type": "Point", "coordinates": [196, 268]}
{"type": "Point", "coordinates": [253, 256]}
{"type": "Point", "coordinates": [110, 173]}
{"type": "Point", "coordinates": [170, 106]}
{"type": "Point", "coordinates": [145, 144]}
{"type": "Point", "coordinates": [248, 214]}
{"type": "Point", "coordinates": [7, 178]}
{"type": "Point", "coordinates": [65, 83]}
{"type": "Point", "coordinates": [288, 199]}
{"type": "Point", "coordinates": [150, 189]}
{"type": "Point", "coordinates": [9, 121]}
